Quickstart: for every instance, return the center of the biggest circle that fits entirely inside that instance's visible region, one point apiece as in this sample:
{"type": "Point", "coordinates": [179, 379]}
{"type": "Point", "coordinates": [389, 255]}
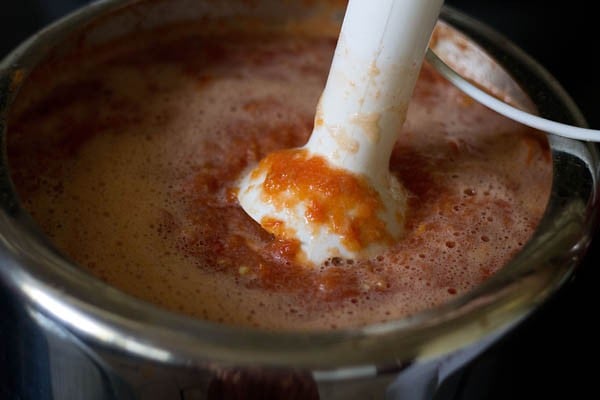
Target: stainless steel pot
{"type": "Point", "coordinates": [66, 335]}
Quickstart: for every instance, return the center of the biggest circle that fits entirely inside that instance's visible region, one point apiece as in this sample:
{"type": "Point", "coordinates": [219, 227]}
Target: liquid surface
{"type": "Point", "coordinates": [130, 168]}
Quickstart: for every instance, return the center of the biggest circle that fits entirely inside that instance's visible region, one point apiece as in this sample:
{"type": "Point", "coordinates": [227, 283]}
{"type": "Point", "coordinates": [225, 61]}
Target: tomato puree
{"type": "Point", "coordinates": [130, 167]}
{"type": "Point", "coordinates": [336, 200]}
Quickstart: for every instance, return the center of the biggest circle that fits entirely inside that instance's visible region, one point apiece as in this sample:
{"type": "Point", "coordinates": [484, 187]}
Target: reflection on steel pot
{"type": "Point", "coordinates": [68, 335]}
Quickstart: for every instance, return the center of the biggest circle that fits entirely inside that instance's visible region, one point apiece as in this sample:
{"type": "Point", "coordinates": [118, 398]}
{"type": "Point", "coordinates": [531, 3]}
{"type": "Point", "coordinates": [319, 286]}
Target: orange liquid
{"type": "Point", "coordinates": [130, 168]}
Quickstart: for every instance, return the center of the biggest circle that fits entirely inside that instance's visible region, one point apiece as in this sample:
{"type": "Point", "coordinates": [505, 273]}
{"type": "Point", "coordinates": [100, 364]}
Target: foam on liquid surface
{"type": "Point", "coordinates": [129, 168]}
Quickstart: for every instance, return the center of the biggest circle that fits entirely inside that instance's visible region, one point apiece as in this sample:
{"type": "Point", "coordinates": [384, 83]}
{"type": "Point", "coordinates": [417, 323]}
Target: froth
{"type": "Point", "coordinates": [129, 168]}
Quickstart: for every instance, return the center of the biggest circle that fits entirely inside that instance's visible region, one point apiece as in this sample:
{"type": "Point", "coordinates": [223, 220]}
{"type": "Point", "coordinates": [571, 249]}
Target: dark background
{"type": "Point", "coordinates": [553, 354]}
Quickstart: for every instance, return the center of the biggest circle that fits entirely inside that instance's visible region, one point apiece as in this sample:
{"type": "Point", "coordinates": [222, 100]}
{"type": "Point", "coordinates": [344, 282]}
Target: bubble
{"type": "Point", "coordinates": [337, 261]}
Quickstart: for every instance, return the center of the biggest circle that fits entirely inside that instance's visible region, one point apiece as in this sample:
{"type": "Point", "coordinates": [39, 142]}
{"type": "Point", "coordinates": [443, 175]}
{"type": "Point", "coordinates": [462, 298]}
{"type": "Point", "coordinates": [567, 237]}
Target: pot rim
{"type": "Point", "coordinates": [53, 286]}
